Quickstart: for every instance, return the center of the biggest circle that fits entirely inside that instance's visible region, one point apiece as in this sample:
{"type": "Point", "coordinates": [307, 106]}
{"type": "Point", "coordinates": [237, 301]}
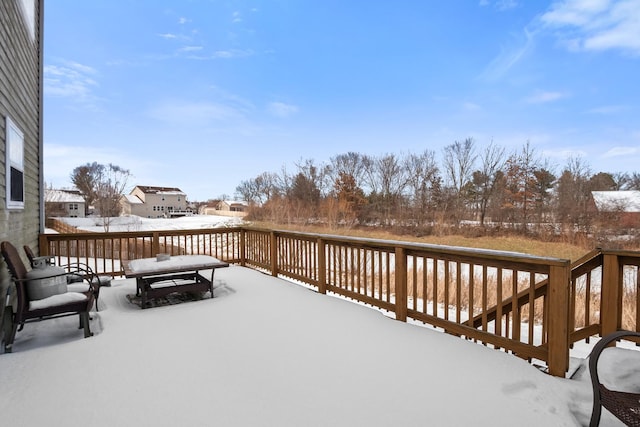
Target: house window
{"type": "Point", "coordinates": [73, 206]}
{"type": "Point", "coordinates": [28, 8]}
{"type": "Point", "coordinates": [14, 165]}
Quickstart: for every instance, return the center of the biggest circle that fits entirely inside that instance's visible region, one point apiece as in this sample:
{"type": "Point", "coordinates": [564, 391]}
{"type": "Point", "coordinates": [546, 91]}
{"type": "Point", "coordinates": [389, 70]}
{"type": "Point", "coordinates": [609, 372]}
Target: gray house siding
{"type": "Point", "coordinates": [21, 101]}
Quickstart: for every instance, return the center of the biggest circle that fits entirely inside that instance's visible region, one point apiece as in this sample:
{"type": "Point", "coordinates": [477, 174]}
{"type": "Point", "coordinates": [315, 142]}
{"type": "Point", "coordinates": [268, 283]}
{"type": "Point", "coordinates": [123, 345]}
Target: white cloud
{"type": "Point", "coordinates": [596, 25]}
{"type": "Point", "coordinates": [182, 20]}
{"type": "Point", "coordinates": [194, 113]}
{"type": "Point", "coordinates": [221, 54]}
{"type": "Point", "coordinates": [190, 48]}
{"type": "Point", "coordinates": [621, 151]}
{"type": "Point", "coordinates": [70, 79]}
{"type": "Point", "coordinates": [470, 106]}
{"type": "Point", "coordinates": [506, 4]}
{"type": "Point", "coordinates": [168, 36]}
{"type": "Point", "coordinates": [233, 53]}
{"type": "Point", "coordinates": [564, 153]}
{"type": "Point", "coordinates": [500, 5]}
{"type": "Point", "coordinates": [282, 110]}
{"type": "Point", "coordinates": [509, 56]}
{"type": "Point", "coordinates": [543, 97]}
{"type": "Point", "coordinates": [608, 109]}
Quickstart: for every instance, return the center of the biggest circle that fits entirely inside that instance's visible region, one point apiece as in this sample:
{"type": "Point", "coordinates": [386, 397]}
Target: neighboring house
{"type": "Point", "coordinates": [623, 207]}
{"type": "Point", "coordinates": [21, 182]}
{"type": "Point", "coordinates": [235, 208]}
{"type": "Point", "coordinates": [63, 203]}
{"type": "Point", "coordinates": [155, 202]}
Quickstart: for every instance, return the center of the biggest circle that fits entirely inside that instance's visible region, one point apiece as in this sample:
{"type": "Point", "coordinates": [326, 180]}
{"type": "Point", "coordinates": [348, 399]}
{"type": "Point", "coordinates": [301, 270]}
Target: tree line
{"type": "Point", "coordinates": [471, 186]}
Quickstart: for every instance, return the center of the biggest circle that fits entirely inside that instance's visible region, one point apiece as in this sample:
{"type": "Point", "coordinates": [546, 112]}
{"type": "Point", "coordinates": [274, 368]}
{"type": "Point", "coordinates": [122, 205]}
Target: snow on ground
{"type": "Point", "coordinates": [136, 223]}
{"type": "Point", "coordinates": [266, 352]}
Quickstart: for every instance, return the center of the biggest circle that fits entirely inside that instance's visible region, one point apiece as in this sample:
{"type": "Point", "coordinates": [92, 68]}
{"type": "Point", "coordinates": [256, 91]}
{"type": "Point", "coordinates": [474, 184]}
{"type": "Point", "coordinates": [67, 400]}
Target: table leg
{"type": "Point", "coordinates": [143, 294]}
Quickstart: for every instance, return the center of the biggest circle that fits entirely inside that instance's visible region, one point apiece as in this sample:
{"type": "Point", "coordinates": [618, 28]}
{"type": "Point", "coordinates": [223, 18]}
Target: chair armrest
{"type": "Point", "coordinates": [85, 272]}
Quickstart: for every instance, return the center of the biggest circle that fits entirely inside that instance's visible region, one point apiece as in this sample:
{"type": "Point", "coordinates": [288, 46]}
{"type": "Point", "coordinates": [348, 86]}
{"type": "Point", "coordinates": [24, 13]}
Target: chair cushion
{"type": "Point", "coordinates": [45, 282]}
{"type": "Point", "coordinates": [54, 300]}
{"type": "Point", "coordinates": [78, 287]}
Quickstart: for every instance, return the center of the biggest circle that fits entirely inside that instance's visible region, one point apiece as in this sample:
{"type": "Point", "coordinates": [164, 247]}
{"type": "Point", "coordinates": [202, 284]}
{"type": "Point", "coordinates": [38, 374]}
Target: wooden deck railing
{"type": "Point", "coordinates": [534, 307]}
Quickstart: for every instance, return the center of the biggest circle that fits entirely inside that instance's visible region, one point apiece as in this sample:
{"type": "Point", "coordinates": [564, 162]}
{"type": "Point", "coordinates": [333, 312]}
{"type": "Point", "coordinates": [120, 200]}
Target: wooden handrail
{"type": "Point", "coordinates": [586, 263]}
{"type": "Point", "coordinates": [393, 275]}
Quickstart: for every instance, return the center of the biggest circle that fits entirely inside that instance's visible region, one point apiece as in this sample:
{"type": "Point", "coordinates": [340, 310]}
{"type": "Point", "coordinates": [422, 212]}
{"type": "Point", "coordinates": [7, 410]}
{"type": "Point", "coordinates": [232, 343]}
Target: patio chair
{"type": "Point", "coordinates": [80, 274]}
{"type": "Point", "coordinates": [623, 405]}
{"type": "Point", "coordinates": [55, 306]}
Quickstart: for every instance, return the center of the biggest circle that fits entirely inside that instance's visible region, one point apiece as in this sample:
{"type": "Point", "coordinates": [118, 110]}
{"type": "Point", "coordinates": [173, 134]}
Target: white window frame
{"type": "Point", "coordinates": [28, 8]}
{"type": "Point", "coordinates": [14, 152]}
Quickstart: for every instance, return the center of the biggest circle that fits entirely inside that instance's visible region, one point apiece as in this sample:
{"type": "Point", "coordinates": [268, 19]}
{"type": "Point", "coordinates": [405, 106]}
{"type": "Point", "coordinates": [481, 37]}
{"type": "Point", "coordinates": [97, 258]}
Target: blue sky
{"type": "Point", "coordinates": [202, 94]}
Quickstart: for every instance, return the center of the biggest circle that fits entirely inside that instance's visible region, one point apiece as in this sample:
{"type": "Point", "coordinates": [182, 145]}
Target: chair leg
{"type": "Point", "coordinates": [8, 343]}
{"type": "Point", "coordinates": [595, 414]}
{"type": "Point", "coordinates": [84, 320]}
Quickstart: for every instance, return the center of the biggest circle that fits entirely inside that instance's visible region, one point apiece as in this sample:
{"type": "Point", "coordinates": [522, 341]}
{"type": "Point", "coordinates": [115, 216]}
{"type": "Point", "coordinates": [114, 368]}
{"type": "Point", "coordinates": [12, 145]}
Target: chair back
{"type": "Point", "coordinates": [29, 252]}
{"type": "Point", "coordinates": [624, 405]}
{"type": "Point", "coordinates": [18, 271]}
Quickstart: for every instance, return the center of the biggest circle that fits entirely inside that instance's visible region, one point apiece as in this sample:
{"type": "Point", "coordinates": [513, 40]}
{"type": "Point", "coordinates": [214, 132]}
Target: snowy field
{"type": "Point", "coordinates": [136, 223]}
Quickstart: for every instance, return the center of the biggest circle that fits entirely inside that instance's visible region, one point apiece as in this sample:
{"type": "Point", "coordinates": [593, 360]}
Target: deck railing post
{"type": "Point", "coordinates": [558, 317]}
{"type": "Point", "coordinates": [243, 250]}
{"type": "Point", "coordinates": [274, 253]}
{"type": "Point", "coordinates": [43, 245]}
{"type": "Point", "coordinates": [610, 304]}
{"type": "Point", "coordinates": [400, 284]}
{"type": "Point", "coordinates": [322, 266]}
{"type": "Point", "coordinates": [155, 244]}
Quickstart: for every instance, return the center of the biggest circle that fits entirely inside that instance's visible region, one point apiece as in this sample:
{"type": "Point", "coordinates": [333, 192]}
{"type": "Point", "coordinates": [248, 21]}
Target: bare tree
{"type": "Point", "coordinates": [459, 159]}
{"type": "Point", "coordinates": [109, 189]}
{"type": "Point", "coordinates": [260, 189]}
{"type": "Point", "coordinates": [317, 174]}
{"type": "Point", "coordinates": [388, 179]}
{"type": "Point", "coordinates": [485, 180]}
{"type": "Point", "coordinates": [573, 193]}
{"type": "Point", "coordinates": [421, 172]}
{"type": "Point", "coordinates": [633, 182]}
{"type": "Point", "coordinates": [86, 178]}
{"type": "Point", "coordinates": [351, 163]}
{"type": "Point", "coordinates": [522, 186]}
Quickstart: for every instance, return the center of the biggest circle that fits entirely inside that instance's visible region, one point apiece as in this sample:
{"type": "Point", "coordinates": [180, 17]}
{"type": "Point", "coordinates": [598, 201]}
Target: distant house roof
{"type": "Point", "coordinates": [147, 189]}
{"type": "Point", "coordinates": [622, 201]}
{"type": "Point", "coordinates": [133, 200]}
{"type": "Point", "coordinates": [62, 196]}
{"type": "Point", "coordinates": [235, 202]}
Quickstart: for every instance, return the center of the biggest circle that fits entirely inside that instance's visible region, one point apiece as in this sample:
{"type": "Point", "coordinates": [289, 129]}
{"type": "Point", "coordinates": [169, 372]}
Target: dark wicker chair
{"type": "Point", "coordinates": [78, 272]}
{"type": "Point", "coordinates": [625, 406]}
{"type": "Point", "coordinates": [24, 314]}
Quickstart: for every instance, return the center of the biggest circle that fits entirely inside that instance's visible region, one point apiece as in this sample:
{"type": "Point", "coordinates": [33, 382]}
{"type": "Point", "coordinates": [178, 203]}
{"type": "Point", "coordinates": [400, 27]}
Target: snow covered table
{"type": "Point", "coordinates": [179, 273]}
